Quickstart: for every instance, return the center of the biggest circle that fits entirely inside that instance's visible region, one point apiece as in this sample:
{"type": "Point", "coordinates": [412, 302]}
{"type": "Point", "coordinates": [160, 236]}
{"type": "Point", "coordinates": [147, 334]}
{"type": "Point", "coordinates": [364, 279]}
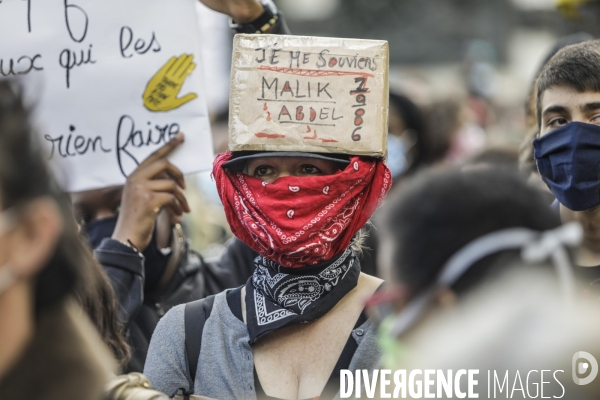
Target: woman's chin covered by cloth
{"type": "Point", "coordinates": [299, 209]}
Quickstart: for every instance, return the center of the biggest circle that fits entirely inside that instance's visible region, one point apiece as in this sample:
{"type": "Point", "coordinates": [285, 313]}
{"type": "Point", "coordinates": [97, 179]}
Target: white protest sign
{"type": "Point", "coordinates": [113, 80]}
{"type": "Point", "coordinates": [314, 94]}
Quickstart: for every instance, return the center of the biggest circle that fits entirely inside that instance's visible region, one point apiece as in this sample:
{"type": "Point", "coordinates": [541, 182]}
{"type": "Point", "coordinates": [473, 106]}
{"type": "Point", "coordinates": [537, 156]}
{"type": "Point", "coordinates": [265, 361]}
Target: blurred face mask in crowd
{"type": "Point", "coordinates": [568, 159]}
{"type": "Point", "coordinates": [7, 275]}
{"type": "Point", "coordinates": [398, 160]}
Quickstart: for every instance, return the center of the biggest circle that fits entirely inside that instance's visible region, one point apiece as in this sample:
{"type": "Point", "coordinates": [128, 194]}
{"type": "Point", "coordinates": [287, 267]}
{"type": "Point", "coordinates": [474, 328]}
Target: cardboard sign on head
{"type": "Point", "coordinates": [110, 82]}
{"type": "Point", "coordinates": [309, 94]}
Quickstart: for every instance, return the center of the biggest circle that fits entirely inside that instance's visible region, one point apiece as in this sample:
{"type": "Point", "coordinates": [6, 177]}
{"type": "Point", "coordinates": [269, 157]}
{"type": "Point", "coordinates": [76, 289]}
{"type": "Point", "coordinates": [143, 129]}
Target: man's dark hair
{"type": "Point", "coordinates": [437, 213]}
{"type": "Point", "coordinates": [576, 66]}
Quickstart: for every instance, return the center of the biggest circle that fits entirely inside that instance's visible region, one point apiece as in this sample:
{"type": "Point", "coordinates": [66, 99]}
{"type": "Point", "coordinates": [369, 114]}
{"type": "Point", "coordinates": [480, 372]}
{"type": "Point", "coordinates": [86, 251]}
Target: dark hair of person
{"type": "Point", "coordinates": [428, 147]}
{"type": "Point", "coordinates": [526, 159]}
{"type": "Point", "coordinates": [24, 176]}
{"type": "Point", "coordinates": [560, 43]}
{"type": "Point", "coordinates": [72, 269]}
{"type": "Point", "coordinates": [499, 156]}
{"type": "Point", "coordinates": [97, 298]}
{"type": "Point", "coordinates": [437, 213]}
{"type": "Point", "coordinates": [576, 66]}
{"type": "Point", "coordinates": [443, 121]}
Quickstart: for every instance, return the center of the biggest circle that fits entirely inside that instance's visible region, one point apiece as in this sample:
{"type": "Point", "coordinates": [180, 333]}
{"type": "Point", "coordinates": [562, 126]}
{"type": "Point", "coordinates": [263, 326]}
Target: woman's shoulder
{"type": "Point", "coordinates": [368, 284]}
{"type": "Point", "coordinates": [214, 307]}
{"type": "Point", "coordinates": [167, 365]}
{"type": "Point", "coordinates": [371, 279]}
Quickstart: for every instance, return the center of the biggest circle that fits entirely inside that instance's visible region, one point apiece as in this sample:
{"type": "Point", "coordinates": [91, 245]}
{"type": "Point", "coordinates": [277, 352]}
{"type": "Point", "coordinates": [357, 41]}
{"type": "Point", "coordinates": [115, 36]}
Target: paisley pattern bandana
{"type": "Point", "coordinates": [277, 296]}
{"type": "Point", "coordinates": [300, 221]}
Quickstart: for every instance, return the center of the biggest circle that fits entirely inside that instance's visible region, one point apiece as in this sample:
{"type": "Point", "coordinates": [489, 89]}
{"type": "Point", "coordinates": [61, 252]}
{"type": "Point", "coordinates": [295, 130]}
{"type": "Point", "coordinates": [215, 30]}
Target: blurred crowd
{"type": "Point", "coordinates": [454, 252]}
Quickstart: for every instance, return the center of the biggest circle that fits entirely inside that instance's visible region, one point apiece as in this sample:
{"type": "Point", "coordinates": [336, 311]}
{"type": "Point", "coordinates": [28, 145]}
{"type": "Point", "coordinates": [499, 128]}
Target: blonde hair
{"type": "Point", "coordinates": [357, 245]}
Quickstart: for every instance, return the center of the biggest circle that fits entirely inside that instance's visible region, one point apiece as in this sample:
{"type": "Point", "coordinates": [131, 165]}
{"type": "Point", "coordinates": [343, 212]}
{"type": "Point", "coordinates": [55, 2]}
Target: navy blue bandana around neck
{"type": "Point", "coordinates": [568, 159]}
{"type": "Point", "coordinates": [277, 296]}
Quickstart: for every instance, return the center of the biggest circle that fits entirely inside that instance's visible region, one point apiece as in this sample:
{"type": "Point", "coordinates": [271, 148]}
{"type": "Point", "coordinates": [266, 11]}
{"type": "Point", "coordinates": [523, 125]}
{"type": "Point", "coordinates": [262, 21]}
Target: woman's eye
{"type": "Point", "coordinates": [262, 170]}
{"type": "Point", "coordinates": [596, 119]}
{"type": "Point", "coordinates": [309, 170]}
{"type": "Point", "coordinates": [557, 122]}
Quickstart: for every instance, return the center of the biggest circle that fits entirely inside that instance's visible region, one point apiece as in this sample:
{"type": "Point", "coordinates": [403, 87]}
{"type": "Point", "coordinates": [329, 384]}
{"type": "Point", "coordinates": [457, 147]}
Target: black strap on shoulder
{"type": "Point", "coordinates": [196, 314]}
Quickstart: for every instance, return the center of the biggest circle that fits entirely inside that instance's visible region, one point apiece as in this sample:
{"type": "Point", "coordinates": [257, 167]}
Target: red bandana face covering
{"type": "Point", "coordinates": [299, 221]}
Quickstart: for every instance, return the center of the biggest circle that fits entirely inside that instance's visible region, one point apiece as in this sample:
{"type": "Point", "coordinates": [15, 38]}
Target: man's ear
{"type": "Point", "coordinates": [34, 240]}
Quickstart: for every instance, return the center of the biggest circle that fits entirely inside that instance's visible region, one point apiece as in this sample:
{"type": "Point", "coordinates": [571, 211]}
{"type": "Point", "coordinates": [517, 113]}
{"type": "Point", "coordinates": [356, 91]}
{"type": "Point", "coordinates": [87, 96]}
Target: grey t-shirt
{"type": "Point", "coordinates": [226, 365]}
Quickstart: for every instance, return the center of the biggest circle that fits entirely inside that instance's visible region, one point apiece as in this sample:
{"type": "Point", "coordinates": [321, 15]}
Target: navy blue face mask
{"type": "Point", "coordinates": [155, 261]}
{"type": "Point", "coordinates": [568, 159]}
{"type": "Point", "coordinates": [99, 230]}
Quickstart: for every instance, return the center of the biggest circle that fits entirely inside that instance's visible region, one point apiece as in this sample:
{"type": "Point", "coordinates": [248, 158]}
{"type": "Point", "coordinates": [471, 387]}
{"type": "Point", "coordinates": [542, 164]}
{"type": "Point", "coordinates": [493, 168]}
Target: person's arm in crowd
{"type": "Point", "coordinates": [242, 11]}
{"type": "Point", "coordinates": [248, 11]}
{"type": "Point", "coordinates": [125, 268]}
{"type": "Point", "coordinates": [155, 184]}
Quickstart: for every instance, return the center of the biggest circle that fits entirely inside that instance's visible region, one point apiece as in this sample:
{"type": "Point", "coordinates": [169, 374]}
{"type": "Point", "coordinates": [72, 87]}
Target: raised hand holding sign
{"type": "Point", "coordinates": [154, 185]}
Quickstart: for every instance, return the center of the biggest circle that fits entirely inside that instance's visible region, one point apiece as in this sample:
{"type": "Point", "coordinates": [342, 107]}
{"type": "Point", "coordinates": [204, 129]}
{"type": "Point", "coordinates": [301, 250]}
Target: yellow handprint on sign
{"type": "Point", "coordinates": [162, 90]}
{"type": "Point", "coordinates": [570, 8]}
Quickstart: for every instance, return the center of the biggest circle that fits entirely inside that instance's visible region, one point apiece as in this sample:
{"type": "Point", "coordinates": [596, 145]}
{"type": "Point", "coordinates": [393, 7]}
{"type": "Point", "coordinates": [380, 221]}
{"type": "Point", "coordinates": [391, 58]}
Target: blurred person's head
{"type": "Point", "coordinates": [444, 119]}
{"type": "Point", "coordinates": [498, 156]}
{"type": "Point", "coordinates": [448, 233]}
{"type": "Point", "coordinates": [455, 124]}
{"type": "Point", "coordinates": [515, 327]}
{"type": "Point", "coordinates": [452, 132]}
{"type": "Point", "coordinates": [39, 253]}
{"type": "Point", "coordinates": [440, 212]}
{"type": "Point", "coordinates": [509, 158]}
{"type": "Point", "coordinates": [409, 146]}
